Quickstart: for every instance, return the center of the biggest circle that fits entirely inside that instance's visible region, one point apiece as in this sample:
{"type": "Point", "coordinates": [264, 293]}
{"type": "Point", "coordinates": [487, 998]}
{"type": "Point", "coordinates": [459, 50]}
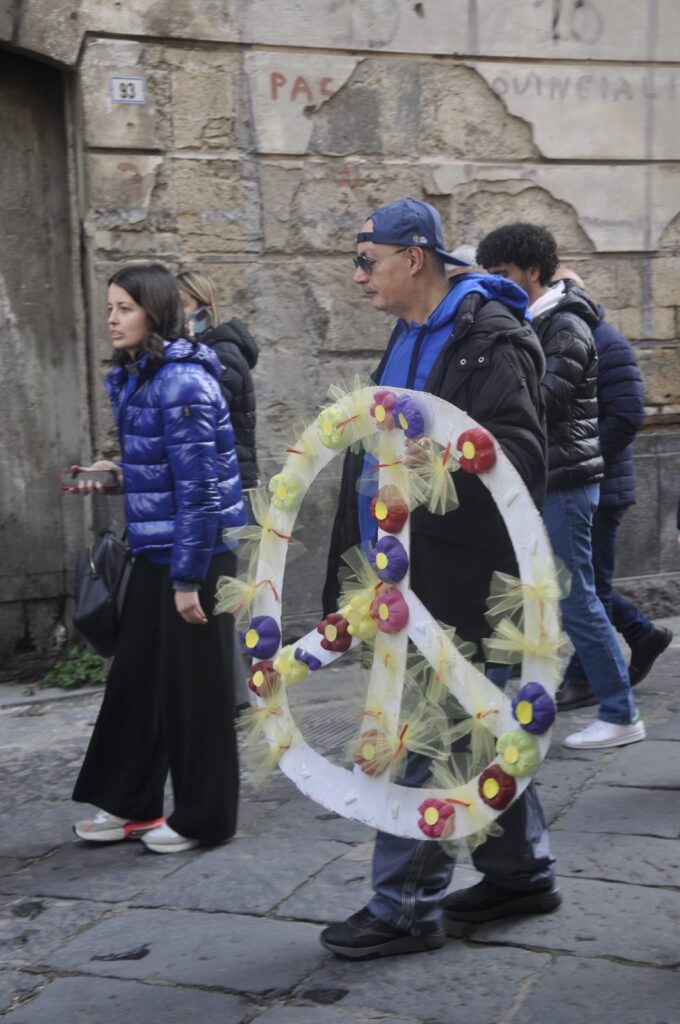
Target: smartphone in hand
{"type": "Point", "coordinates": [70, 480]}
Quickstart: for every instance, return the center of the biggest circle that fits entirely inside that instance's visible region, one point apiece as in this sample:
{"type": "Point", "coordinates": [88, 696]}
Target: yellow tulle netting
{"type": "Point", "coordinates": [264, 536]}
{"type": "Point", "coordinates": [236, 594]}
{"type": "Point", "coordinates": [423, 728]}
{"type": "Point", "coordinates": [432, 467]}
{"type": "Point", "coordinates": [412, 487]}
{"type": "Point", "coordinates": [508, 595]}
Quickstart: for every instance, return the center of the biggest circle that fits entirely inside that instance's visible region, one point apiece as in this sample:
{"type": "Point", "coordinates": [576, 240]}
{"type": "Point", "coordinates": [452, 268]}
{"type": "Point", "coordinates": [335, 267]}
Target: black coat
{"type": "Point", "coordinates": [490, 367]}
{"type": "Point", "coordinates": [237, 350]}
{"type": "Point", "coordinates": [570, 390]}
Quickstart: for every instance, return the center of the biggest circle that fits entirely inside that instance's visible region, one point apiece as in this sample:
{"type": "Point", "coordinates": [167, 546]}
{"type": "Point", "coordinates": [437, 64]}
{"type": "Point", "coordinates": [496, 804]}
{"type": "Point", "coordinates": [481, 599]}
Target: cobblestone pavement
{"type": "Point", "coordinates": [229, 935]}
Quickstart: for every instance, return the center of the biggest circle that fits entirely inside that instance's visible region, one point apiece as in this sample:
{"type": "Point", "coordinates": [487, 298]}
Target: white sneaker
{"type": "Point", "coordinates": [165, 840]}
{"type": "Point", "coordinates": [107, 828]}
{"type": "Point", "coordinates": [600, 734]}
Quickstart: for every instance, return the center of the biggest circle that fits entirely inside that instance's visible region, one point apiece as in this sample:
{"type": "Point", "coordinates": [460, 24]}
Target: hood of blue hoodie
{"type": "Point", "coordinates": [414, 350]}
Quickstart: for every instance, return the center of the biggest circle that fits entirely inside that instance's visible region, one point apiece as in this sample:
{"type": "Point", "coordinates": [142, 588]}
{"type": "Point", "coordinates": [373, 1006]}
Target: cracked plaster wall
{"type": "Point", "coordinates": [271, 127]}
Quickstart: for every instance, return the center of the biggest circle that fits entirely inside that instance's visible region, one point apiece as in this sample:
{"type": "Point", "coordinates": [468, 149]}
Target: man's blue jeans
{"type": "Point", "coordinates": [411, 876]}
{"type": "Point", "coordinates": [628, 620]}
{"type": "Point", "coordinates": [568, 517]}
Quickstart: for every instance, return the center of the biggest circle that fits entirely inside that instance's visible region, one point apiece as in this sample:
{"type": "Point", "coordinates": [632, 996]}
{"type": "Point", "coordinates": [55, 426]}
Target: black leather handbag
{"type": "Point", "coordinates": [102, 572]}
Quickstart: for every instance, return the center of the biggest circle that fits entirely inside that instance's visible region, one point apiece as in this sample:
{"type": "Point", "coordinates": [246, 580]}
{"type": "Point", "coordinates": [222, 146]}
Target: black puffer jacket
{"type": "Point", "coordinates": [237, 350]}
{"type": "Point", "coordinates": [570, 390]}
{"type": "Point", "coordinates": [490, 367]}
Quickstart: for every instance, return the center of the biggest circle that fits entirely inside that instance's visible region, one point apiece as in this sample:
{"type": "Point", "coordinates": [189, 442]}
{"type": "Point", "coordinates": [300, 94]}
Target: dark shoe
{"type": "Point", "coordinates": [574, 694]}
{"type": "Point", "coordinates": [644, 656]}
{"type": "Point", "coordinates": [486, 901]}
{"type": "Point", "coordinates": [363, 936]}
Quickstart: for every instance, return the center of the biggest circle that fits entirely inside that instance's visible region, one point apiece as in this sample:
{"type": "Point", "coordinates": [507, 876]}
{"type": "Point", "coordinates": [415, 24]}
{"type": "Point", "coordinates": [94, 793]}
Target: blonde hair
{"type": "Point", "coordinates": [203, 289]}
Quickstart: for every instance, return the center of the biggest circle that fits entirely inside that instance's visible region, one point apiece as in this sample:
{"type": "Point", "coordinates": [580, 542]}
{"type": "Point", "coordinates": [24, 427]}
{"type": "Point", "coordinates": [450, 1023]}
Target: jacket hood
{"type": "Point", "coordinates": [183, 351]}
{"type": "Point", "coordinates": [577, 301]}
{"type": "Point", "coordinates": [236, 332]}
{"type": "Point", "coordinates": [491, 286]}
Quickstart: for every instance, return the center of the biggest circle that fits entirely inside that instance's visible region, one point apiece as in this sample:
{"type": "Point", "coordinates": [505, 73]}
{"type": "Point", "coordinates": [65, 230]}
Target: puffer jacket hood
{"type": "Point", "coordinates": [570, 389]}
{"type": "Point", "coordinates": [577, 301]}
{"type": "Point", "coordinates": [181, 479]}
{"type": "Point", "coordinates": [238, 334]}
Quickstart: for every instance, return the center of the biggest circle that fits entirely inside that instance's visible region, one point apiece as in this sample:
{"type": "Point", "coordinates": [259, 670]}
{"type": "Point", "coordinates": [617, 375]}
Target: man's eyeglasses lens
{"type": "Point", "coordinates": [366, 265]}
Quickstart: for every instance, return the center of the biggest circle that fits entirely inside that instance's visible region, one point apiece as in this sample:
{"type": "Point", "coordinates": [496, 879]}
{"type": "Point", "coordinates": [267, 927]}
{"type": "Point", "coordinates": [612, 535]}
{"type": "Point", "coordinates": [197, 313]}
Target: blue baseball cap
{"type": "Point", "coordinates": [409, 222]}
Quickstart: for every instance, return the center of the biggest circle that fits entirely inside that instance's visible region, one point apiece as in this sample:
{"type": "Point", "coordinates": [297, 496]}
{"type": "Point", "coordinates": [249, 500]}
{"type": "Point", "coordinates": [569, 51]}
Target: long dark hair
{"type": "Point", "coordinates": [155, 290]}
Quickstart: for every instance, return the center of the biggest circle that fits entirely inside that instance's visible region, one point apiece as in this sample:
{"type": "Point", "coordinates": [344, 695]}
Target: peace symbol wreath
{"type": "Point", "coordinates": [387, 613]}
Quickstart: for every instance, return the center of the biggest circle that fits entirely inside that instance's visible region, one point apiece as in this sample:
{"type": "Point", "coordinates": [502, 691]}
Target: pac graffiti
{"type": "Point", "coordinates": [306, 90]}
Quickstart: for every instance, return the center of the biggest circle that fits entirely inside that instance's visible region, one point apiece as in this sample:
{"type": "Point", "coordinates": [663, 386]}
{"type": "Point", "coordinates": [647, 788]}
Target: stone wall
{"type": "Point", "coordinates": [269, 128]}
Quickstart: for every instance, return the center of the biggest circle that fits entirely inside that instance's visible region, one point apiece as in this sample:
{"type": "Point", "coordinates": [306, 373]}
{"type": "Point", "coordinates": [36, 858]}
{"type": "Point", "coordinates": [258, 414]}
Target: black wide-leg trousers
{"type": "Point", "coordinates": [168, 705]}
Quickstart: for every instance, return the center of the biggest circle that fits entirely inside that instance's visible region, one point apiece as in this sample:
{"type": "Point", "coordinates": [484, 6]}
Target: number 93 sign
{"type": "Point", "coordinates": [419, 670]}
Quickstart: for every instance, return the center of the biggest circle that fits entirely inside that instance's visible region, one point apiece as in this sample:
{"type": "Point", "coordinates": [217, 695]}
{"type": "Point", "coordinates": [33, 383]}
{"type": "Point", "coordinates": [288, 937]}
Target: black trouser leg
{"type": "Point", "coordinates": [198, 687]}
{"type": "Point", "coordinates": [125, 765]}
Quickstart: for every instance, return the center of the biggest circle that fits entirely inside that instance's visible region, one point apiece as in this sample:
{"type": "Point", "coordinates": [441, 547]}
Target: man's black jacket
{"type": "Point", "coordinates": [570, 390]}
{"type": "Point", "coordinates": [490, 367]}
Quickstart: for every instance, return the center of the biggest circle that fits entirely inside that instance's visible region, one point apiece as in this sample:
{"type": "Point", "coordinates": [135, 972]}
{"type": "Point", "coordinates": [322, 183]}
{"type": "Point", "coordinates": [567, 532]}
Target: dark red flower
{"type": "Point", "coordinates": [477, 452]}
{"type": "Point", "coordinates": [334, 631]}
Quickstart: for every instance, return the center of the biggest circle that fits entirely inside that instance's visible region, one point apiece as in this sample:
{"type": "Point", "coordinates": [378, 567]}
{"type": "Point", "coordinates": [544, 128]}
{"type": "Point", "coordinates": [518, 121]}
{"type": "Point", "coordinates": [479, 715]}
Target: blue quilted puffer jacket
{"type": "Point", "coordinates": [182, 484]}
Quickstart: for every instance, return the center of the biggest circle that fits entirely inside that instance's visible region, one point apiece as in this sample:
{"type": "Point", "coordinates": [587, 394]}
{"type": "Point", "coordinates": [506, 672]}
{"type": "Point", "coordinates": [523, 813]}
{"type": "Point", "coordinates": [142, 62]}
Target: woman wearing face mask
{"type": "Point", "coordinates": [168, 702]}
{"type": "Point", "coordinates": [237, 351]}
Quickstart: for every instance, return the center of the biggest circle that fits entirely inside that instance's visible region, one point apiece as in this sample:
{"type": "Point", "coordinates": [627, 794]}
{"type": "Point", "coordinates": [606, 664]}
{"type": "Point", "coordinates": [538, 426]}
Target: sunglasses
{"type": "Point", "coordinates": [367, 265]}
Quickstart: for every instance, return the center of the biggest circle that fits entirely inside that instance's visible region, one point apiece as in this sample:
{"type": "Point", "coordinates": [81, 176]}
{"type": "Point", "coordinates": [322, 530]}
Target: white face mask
{"type": "Point", "coordinates": [198, 322]}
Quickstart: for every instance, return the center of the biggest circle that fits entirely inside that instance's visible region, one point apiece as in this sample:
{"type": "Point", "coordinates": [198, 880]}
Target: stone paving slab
{"type": "Point", "coordinates": [653, 763]}
{"type": "Point", "coordinates": [647, 812]}
{"type": "Point", "coordinates": [641, 860]}
{"type": "Point", "coordinates": [33, 828]}
{"type": "Point", "coordinates": [338, 890]}
{"type": "Point", "coordinates": [234, 953]}
{"type": "Point", "coordinates": [16, 985]}
{"type": "Point", "coordinates": [629, 922]}
{"type": "Point", "coordinates": [322, 1015]}
{"type": "Point", "coordinates": [457, 984]}
{"type": "Point", "coordinates": [555, 789]}
{"type": "Point", "coordinates": [112, 872]}
{"type": "Point", "coordinates": [31, 928]}
{"type": "Point", "coordinates": [669, 728]}
{"type": "Point", "coordinates": [249, 876]}
{"type": "Point", "coordinates": [600, 991]}
{"type": "Point", "coordinates": [104, 1001]}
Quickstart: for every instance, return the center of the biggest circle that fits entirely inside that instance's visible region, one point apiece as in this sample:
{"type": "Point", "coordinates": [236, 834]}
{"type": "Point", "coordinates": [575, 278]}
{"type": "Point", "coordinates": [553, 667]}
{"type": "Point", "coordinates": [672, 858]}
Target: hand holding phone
{"type": "Point", "coordinates": [97, 478]}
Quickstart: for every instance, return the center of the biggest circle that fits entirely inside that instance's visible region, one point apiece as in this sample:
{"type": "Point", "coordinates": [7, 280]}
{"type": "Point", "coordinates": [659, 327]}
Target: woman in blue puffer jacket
{"type": "Point", "coordinates": [169, 698]}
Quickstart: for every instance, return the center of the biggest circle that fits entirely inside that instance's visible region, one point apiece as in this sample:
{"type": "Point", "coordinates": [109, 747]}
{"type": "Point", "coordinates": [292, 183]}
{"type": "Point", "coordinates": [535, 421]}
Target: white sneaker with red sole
{"type": "Point", "coordinates": [107, 828]}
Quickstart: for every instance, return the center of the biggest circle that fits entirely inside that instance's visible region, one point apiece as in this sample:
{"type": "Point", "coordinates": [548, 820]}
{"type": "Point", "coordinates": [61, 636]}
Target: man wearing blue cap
{"type": "Point", "coordinates": [465, 339]}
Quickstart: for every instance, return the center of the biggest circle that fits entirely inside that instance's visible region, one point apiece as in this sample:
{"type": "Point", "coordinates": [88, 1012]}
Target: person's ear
{"type": "Point", "coordinates": [534, 274]}
{"type": "Point", "coordinates": [416, 258]}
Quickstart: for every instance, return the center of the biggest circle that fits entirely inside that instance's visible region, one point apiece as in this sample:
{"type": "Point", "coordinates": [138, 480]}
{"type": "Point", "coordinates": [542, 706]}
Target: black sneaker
{"type": "Point", "coordinates": [644, 656]}
{"type": "Point", "coordinates": [363, 936]}
{"type": "Point", "coordinates": [574, 693]}
{"type": "Point", "coordinates": [486, 901]}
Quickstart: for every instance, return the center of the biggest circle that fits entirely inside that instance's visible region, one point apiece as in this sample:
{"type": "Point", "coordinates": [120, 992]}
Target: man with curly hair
{"type": "Point", "coordinates": [563, 318]}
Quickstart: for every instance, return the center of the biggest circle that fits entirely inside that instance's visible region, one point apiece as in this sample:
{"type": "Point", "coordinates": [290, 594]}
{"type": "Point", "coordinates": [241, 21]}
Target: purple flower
{"type": "Point", "coordinates": [409, 416]}
{"type": "Point", "coordinates": [262, 637]}
{"type": "Point", "coordinates": [534, 708]}
{"type": "Point", "coordinates": [389, 559]}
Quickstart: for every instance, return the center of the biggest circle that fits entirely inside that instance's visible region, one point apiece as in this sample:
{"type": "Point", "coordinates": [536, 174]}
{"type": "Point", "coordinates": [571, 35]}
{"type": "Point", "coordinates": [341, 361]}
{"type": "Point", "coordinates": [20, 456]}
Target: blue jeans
{"type": "Point", "coordinates": [628, 620]}
{"type": "Point", "coordinates": [568, 517]}
{"type": "Point", "coordinates": [410, 876]}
